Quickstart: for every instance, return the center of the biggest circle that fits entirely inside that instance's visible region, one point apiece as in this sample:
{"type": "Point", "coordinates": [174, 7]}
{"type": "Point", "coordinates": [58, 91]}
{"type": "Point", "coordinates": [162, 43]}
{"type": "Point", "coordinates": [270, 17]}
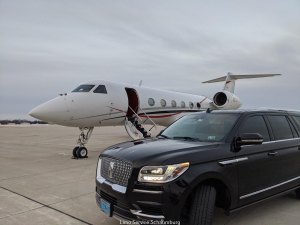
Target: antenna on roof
{"type": "Point", "coordinates": [141, 83]}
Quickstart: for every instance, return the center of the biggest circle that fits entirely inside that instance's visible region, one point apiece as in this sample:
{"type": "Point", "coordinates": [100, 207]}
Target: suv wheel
{"type": "Point", "coordinates": [298, 193]}
{"type": "Point", "coordinates": [202, 209]}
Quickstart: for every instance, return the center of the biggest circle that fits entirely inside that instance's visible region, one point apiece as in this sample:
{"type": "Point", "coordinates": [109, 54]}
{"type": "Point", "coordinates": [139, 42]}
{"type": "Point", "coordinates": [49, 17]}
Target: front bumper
{"type": "Point", "coordinates": [131, 206]}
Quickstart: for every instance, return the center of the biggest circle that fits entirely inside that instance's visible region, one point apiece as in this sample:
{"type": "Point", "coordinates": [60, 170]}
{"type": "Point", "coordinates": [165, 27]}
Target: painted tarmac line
{"type": "Point", "coordinates": [47, 206]}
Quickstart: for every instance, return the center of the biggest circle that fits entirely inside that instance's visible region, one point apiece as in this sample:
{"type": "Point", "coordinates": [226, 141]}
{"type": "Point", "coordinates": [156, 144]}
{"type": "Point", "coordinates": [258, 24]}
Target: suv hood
{"type": "Point", "coordinates": [155, 151]}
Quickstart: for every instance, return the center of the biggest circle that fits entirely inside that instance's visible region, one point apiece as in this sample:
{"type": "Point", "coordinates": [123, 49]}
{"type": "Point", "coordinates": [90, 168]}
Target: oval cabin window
{"type": "Point", "coordinates": [151, 101]}
{"type": "Point", "coordinates": [173, 103]}
{"type": "Point", "coordinates": [182, 104]}
{"type": "Point", "coordinates": [191, 105]}
{"type": "Point", "coordinates": [198, 105]}
{"type": "Point", "coordinates": [163, 103]}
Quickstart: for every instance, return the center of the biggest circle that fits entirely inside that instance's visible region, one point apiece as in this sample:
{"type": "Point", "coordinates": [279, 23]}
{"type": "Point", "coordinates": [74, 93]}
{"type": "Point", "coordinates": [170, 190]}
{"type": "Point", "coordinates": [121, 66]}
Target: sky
{"type": "Point", "coordinates": [50, 47]}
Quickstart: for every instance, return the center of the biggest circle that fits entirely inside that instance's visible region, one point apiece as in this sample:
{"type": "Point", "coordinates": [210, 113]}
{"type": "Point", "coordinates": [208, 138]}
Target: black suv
{"type": "Point", "coordinates": [228, 159]}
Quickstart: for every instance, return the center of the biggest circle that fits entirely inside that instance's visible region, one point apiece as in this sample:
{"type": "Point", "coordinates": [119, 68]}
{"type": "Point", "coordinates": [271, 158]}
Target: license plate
{"type": "Point", "coordinates": [105, 206]}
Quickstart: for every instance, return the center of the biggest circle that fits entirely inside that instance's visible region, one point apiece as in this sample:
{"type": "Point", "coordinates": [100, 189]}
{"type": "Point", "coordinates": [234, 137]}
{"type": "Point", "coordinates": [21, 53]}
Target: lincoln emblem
{"type": "Point", "coordinates": [111, 169]}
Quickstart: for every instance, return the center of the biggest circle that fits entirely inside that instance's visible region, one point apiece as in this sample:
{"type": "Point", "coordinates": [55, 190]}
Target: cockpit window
{"type": "Point", "coordinates": [100, 89]}
{"type": "Point", "coordinates": [84, 88]}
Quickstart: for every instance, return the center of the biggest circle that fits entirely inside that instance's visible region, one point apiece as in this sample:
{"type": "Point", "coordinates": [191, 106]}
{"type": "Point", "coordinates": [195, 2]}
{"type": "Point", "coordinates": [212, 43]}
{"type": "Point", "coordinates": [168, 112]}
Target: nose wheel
{"type": "Point", "coordinates": [81, 151]}
{"type": "Point", "coordinates": [75, 152]}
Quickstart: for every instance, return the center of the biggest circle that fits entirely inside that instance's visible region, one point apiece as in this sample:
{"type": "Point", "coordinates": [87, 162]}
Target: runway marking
{"type": "Point", "coordinates": [47, 206]}
{"type": "Point", "coordinates": [62, 153]}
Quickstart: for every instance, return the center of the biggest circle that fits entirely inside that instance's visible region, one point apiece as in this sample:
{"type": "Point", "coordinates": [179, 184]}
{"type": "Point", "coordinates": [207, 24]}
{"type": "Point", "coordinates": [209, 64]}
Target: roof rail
{"type": "Point", "coordinates": [276, 109]}
{"type": "Point", "coordinates": [262, 109]}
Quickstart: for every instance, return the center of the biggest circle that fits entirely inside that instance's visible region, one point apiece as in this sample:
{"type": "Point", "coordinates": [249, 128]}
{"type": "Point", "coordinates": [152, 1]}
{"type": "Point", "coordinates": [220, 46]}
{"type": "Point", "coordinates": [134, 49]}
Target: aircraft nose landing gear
{"type": "Point", "coordinates": [80, 151]}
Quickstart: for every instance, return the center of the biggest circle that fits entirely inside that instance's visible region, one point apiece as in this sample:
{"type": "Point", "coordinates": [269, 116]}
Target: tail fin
{"type": "Point", "coordinates": [230, 80]}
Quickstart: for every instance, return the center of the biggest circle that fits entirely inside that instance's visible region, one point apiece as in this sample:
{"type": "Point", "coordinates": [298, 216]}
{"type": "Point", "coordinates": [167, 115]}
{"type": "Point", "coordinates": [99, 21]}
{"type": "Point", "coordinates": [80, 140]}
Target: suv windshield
{"type": "Point", "coordinates": [202, 126]}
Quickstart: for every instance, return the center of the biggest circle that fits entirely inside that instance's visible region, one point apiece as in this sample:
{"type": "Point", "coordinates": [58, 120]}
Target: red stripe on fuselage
{"type": "Point", "coordinates": [203, 99]}
{"type": "Point", "coordinates": [117, 109]}
{"type": "Point", "coordinates": [150, 116]}
{"type": "Point", "coordinates": [162, 116]}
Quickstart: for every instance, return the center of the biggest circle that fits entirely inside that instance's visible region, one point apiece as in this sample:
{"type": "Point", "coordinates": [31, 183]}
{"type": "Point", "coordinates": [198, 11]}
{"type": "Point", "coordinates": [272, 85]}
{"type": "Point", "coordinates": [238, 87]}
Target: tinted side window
{"type": "Point", "coordinates": [256, 124]}
{"type": "Point", "coordinates": [100, 89]}
{"type": "Point", "coordinates": [281, 128]}
{"type": "Point", "coordinates": [297, 118]}
{"type": "Point", "coordinates": [293, 129]}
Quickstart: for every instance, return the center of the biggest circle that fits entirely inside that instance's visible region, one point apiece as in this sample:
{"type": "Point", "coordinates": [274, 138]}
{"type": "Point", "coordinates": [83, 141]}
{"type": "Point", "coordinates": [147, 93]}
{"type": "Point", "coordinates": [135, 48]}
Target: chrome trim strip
{"type": "Point", "coordinates": [227, 162]}
{"type": "Point", "coordinates": [280, 140]}
{"type": "Point", "coordinates": [147, 191]}
{"type": "Point", "coordinates": [269, 188]}
{"type": "Point", "coordinates": [256, 140]}
{"type": "Point", "coordinates": [98, 195]}
{"type": "Point", "coordinates": [269, 142]}
{"type": "Point", "coordinates": [115, 187]}
{"type": "Point", "coordinates": [139, 213]}
{"type": "Point", "coordinates": [242, 159]}
{"type": "Point", "coordinates": [233, 161]}
{"type": "Point", "coordinates": [102, 180]}
{"type": "Point", "coordinates": [121, 219]}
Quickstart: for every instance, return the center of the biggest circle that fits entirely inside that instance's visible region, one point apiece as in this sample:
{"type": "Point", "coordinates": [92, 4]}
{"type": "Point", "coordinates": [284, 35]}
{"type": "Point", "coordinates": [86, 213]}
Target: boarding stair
{"type": "Point", "coordinates": [135, 126]}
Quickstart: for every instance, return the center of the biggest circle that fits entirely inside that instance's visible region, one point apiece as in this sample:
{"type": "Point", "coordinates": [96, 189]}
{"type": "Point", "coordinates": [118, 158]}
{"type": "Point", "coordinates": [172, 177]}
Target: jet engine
{"type": "Point", "coordinates": [226, 100]}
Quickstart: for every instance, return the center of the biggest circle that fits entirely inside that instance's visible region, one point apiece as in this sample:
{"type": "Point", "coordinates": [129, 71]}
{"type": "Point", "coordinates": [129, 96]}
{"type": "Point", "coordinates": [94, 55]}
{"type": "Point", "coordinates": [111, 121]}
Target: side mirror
{"type": "Point", "coordinates": [250, 139]}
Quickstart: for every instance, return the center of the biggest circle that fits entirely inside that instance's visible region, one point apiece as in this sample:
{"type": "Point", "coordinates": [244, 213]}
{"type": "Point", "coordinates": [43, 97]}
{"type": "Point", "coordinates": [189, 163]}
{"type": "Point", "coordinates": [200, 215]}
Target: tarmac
{"type": "Point", "coordinates": [41, 184]}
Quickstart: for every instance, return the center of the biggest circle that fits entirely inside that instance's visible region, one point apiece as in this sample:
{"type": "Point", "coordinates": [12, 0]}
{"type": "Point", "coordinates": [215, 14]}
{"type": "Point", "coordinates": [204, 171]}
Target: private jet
{"type": "Point", "coordinates": [100, 103]}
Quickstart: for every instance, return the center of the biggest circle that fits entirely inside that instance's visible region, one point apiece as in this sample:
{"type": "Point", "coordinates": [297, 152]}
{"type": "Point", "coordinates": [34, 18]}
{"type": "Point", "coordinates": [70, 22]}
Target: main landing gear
{"type": "Point", "coordinates": [81, 151]}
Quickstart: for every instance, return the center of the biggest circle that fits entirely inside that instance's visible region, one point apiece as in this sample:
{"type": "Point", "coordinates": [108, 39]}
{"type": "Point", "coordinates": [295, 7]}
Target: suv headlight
{"type": "Point", "coordinates": [162, 174]}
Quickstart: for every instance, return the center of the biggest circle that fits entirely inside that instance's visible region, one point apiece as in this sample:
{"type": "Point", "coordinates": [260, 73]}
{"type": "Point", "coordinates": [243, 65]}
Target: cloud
{"type": "Point", "coordinates": [50, 47]}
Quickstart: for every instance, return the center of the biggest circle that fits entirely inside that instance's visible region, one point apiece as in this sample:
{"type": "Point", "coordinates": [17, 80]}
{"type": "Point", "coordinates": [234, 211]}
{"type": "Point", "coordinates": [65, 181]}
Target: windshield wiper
{"type": "Point", "coordinates": [164, 136]}
{"type": "Point", "coordinates": [188, 138]}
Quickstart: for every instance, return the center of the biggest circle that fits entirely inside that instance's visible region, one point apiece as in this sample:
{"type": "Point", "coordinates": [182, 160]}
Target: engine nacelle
{"type": "Point", "coordinates": [226, 100]}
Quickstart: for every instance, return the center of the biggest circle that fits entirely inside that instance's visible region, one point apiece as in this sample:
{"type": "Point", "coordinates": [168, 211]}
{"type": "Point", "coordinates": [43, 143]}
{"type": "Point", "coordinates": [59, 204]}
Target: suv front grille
{"type": "Point", "coordinates": [117, 171]}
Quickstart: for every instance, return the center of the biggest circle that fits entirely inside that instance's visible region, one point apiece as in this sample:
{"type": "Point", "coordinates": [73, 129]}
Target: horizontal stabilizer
{"type": "Point", "coordinates": [237, 77]}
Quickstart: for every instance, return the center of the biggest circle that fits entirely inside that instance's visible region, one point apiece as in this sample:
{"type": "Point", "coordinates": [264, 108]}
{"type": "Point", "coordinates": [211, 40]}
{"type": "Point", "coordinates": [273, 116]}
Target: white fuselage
{"type": "Point", "coordinates": [89, 109]}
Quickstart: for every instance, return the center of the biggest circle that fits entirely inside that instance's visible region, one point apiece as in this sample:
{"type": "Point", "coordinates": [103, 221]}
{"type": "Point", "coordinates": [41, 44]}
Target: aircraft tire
{"type": "Point", "coordinates": [74, 151]}
{"type": "Point", "coordinates": [82, 152]}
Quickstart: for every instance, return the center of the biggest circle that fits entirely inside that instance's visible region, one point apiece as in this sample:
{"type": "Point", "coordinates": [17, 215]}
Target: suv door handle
{"type": "Point", "coordinates": [272, 153]}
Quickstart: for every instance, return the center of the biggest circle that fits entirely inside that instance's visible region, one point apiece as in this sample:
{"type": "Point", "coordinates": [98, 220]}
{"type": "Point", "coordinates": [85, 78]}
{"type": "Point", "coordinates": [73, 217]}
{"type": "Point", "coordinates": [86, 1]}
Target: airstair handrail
{"type": "Point", "coordinates": [149, 118]}
{"type": "Point", "coordinates": [135, 113]}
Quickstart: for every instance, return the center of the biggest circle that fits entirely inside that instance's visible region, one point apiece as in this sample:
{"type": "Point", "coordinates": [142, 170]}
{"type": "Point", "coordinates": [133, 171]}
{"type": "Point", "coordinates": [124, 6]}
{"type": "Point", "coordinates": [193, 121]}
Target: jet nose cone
{"type": "Point", "coordinates": [33, 113]}
{"type": "Point", "coordinates": [54, 111]}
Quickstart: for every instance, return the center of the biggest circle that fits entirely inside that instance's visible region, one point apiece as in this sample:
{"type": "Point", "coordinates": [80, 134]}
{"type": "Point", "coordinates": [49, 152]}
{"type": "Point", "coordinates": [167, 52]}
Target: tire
{"type": "Point", "coordinates": [81, 152]}
{"type": "Point", "coordinates": [74, 151]}
{"type": "Point", "coordinates": [298, 193]}
{"type": "Point", "coordinates": [202, 209]}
